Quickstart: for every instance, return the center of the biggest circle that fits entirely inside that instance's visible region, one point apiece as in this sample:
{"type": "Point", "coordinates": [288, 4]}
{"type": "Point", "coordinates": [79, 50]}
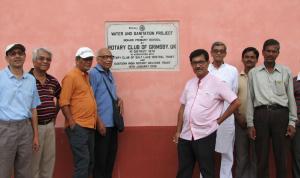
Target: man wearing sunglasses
{"type": "Point", "coordinates": [19, 99]}
{"type": "Point", "coordinates": [106, 140]}
{"type": "Point", "coordinates": [226, 131]}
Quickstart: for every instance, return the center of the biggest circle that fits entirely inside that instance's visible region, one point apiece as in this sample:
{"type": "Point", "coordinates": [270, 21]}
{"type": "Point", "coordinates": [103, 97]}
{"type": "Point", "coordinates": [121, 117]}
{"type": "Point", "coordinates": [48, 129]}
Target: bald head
{"type": "Point", "coordinates": [105, 58]}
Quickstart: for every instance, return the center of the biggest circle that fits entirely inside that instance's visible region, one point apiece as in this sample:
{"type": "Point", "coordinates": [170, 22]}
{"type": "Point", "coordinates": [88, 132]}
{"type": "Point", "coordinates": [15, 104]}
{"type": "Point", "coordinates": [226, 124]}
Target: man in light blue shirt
{"type": "Point", "coordinates": [18, 117]}
{"type": "Point", "coordinates": [106, 140]}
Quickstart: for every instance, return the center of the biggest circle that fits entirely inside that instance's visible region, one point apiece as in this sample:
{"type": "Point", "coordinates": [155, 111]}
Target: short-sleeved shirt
{"type": "Point", "coordinates": [17, 96]}
{"type": "Point", "coordinates": [265, 88]}
{"type": "Point", "coordinates": [47, 92]}
{"type": "Point", "coordinates": [204, 103]}
{"type": "Point", "coordinates": [78, 94]}
{"type": "Point", "coordinates": [104, 102]}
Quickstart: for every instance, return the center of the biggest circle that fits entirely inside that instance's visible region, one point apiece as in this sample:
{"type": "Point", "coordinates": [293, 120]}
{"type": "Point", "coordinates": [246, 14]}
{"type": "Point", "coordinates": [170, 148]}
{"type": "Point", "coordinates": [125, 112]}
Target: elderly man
{"type": "Point", "coordinates": [199, 117]}
{"type": "Point", "coordinates": [271, 110]}
{"type": "Point", "coordinates": [49, 89]}
{"type": "Point", "coordinates": [79, 108]}
{"type": "Point", "coordinates": [106, 141]}
{"type": "Point", "coordinates": [226, 132]}
{"type": "Point", "coordinates": [244, 147]}
{"type": "Point", "coordinates": [18, 117]}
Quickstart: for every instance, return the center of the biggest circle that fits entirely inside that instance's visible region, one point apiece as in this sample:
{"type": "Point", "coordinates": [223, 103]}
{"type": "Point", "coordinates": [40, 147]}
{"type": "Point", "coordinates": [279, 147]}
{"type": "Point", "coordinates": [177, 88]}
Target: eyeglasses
{"type": "Point", "coordinates": [42, 58]}
{"type": "Point", "coordinates": [14, 53]}
{"type": "Point", "coordinates": [216, 51]}
{"type": "Point", "coordinates": [198, 62]}
{"type": "Point", "coordinates": [106, 57]}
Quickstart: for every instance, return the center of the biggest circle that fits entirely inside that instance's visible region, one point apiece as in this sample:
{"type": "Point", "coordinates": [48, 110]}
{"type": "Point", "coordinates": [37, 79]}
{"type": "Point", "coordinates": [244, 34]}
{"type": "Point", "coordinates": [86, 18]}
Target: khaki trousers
{"type": "Point", "coordinates": [44, 159]}
{"type": "Point", "coordinates": [16, 138]}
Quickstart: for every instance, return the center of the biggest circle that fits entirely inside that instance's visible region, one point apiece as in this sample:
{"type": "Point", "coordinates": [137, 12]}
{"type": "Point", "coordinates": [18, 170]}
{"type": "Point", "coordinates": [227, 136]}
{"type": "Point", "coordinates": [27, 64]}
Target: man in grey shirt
{"type": "Point", "coordinates": [271, 110]}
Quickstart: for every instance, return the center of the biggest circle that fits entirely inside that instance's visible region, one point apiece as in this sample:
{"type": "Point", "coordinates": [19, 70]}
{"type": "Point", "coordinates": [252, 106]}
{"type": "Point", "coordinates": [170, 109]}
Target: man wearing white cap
{"type": "Point", "coordinates": [18, 116]}
{"type": "Point", "coordinates": [79, 108]}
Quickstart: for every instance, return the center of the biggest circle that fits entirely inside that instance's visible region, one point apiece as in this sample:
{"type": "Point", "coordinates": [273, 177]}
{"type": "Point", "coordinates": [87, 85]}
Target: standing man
{"type": "Point", "coordinates": [79, 108]}
{"type": "Point", "coordinates": [106, 141]}
{"type": "Point", "coordinates": [49, 89]}
{"type": "Point", "coordinates": [296, 139]}
{"type": "Point", "coordinates": [244, 147]}
{"type": "Point", "coordinates": [271, 110]}
{"type": "Point", "coordinates": [199, 117]}
{"type": "Point", "coordinates": [226, 131]}
{"type": "Point", "coordinates": [18, 117]}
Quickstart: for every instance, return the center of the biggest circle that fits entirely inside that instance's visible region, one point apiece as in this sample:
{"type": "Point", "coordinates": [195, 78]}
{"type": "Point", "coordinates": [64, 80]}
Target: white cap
{"type": "Point", "coordinates": [13, 46]}
{"type": "Point", "coordinates": [84, 52]}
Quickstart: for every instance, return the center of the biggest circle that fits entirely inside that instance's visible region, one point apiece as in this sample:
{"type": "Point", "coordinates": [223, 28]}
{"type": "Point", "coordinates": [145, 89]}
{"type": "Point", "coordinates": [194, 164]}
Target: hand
{"type": "Point", "coordinates": [241, 120]}
{"type": "Point", "coordinates": [290, 131]}
{"type": "Point", "coordinates": [252, 133]}
{"type": "Point", "coordinates": [176, 137]}
{"type": "Point", "coordinates": [219, 121]}
{"type": "Point", "coordinates": [101, 128]}
{"type": "Point", "coordinates": [72, 124]}
{"type": "Point", "coordinates": [35, 145]}
{"type": "Point", "coordinates": [120, 104]}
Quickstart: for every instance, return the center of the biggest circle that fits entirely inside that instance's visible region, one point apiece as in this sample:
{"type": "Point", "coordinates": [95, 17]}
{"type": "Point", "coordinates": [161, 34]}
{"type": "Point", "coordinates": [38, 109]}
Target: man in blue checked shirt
{"type": "Point", "coordinates": [18, 116]}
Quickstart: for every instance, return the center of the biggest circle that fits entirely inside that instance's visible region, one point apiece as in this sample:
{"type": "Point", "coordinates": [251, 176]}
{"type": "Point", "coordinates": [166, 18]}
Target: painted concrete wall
{"type": "Point", "coordinates": [151, 98]}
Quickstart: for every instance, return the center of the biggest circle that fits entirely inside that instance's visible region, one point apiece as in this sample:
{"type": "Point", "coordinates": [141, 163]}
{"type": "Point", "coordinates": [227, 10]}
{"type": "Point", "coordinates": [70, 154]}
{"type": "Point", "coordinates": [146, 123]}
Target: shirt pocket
{"type": "Point", "coordinates": [206, 99]}
{"type": "Point", "coordinates": [279, 88]}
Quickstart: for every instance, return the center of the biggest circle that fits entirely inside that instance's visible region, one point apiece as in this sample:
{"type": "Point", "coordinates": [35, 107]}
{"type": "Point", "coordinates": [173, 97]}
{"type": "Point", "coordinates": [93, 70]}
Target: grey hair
{"type": "Point", "coordinates": [37, 50]}
{"type": "Point", "coordinates": [218, 43]}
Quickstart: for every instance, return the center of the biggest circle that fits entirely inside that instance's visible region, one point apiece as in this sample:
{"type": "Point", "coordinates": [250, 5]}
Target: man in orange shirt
{"type": "Point", "coordinates": [79, 108]}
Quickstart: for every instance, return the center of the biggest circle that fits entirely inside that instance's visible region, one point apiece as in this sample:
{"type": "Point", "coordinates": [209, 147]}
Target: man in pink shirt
{"type": "Point", "coordinates": [199, 116]}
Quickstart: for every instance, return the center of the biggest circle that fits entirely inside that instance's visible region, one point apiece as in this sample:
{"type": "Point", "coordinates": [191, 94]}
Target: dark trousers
{"type": "Point", "coordinates": [271, 124]}
{"type": "Point", "coordinates": [105, 153]}
{"type": "Point", "coordinates": [201, 150]}
{"type": "Point", "coordinates": [245, 155]}
{"type": "Point", "coordinates": [296, 154]}
{"type": "Point", "coordinates": [82, 142]}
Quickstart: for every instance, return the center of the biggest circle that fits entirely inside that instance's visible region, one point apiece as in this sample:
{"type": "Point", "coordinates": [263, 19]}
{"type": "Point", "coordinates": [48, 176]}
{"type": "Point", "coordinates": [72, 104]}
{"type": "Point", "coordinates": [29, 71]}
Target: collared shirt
{"type": "Point", "coordinates": [297, 95]}
{"type": "Point", "coordinates": [203, 106]}
{"type": "Point", "coordinates": [78, 94]}
{"type": "Point", "coordinates": [266, 88]}
{"type": "Point", "coordinates": [17, 96]}
{"type": "Point", "coordinates": [103, 99]}
{"type": "Point", "coordinates": [242, 93]}
{"type": "Point", "coordinates": [47, 92]}
{"type": "Point", "coordinates": [227, 73]}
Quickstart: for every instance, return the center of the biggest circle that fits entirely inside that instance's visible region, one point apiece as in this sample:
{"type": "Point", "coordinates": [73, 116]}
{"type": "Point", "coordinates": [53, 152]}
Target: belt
{"type": "Point", "coordinates": [271, 107]}
{"type": "Point", "coordinates": [14, 122]}
{"type": "Point", "coordinates": [44, 122]}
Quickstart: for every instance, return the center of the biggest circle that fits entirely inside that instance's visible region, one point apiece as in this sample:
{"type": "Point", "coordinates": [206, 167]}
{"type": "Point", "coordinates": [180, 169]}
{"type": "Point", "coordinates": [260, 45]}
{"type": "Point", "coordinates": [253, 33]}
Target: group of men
{"type": "Point", "coordinates": [30, 101]}
{"type": "Point", "coordinates": [222, 110]}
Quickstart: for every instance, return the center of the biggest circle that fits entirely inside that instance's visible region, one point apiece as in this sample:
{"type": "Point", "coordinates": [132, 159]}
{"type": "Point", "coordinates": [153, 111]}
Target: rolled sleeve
{"type": "Point", "coordinates": [226, 93]}
{"type": "Point", "coordinates": [66, 91]}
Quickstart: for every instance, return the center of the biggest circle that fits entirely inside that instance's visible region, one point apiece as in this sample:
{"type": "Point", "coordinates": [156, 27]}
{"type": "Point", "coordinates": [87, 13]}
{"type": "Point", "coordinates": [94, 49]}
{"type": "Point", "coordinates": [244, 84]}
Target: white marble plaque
{"type": "Point", "coordinates": [143, 46]}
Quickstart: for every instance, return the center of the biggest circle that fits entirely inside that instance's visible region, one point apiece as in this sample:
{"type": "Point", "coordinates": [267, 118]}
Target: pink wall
{"type": "Point", "coordinates": [151, 98]}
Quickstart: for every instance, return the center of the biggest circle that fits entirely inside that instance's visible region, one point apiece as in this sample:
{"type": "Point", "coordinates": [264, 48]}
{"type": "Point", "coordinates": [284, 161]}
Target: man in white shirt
{"type": "Point", "coordinates": [226, 131]}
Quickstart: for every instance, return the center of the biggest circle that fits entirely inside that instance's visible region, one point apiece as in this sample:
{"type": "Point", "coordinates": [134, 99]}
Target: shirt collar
{"type": "Point", "coordinates": [102, 70]}
{"type": "Point", "coordinates": [276, 67]}
{"type": "Point", "coordinates": [243, 73]}
{"type": "Point", "coordinates": [77, 70]}
{"type": "Point", "coordinates": [31, 72]}
{"type": "Point", "coordinates": [11, 75]}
